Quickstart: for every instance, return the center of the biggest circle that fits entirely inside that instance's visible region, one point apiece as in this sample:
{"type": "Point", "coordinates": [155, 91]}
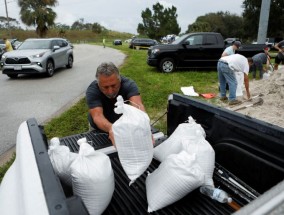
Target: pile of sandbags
{"type": "Point", "coordinates": [89, 173]}
{"type": "Point", "coordinates": [187, 162]}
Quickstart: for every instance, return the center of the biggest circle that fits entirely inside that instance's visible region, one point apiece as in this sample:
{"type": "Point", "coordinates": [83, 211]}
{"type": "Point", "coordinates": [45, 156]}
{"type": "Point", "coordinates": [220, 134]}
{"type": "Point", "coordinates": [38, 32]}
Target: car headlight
{"type": "Point", "coordinates": [3, 57]}
{"type": "Point", "coordinates": [155, 51]}
{"type": "Point", "coordinates": [38, 55]}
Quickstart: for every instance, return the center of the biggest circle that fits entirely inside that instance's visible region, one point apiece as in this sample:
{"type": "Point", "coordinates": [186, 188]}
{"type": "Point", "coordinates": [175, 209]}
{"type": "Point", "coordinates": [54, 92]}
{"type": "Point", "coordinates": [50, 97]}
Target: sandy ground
{"type": "Point", "coordinates": [272, 93]}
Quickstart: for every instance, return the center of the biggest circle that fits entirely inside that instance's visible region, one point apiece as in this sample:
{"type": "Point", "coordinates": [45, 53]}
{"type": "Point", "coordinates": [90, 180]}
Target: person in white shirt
{"type": "Point", "coordinates": [227, 67]}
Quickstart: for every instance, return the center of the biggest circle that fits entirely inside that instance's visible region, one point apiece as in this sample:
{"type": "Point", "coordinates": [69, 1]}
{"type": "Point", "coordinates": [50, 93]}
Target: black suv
{"type": "Point", "coordinates": [142, 43]}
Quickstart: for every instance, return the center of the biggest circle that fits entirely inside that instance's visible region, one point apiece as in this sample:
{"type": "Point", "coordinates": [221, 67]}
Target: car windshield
{"type": "Point", "coordinates": [35, 44]}
{"type": "Point", "coordinates": [178, 40]}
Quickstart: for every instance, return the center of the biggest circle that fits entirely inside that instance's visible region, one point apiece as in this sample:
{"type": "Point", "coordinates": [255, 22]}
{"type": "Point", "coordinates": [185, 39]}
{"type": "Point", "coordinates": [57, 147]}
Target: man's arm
{"type": "Point", "coordinates": [136, 101]}
{"type": "Point", "coordinates": [102, 122]}
{"type": "Point", "coordinates": [246, 81]}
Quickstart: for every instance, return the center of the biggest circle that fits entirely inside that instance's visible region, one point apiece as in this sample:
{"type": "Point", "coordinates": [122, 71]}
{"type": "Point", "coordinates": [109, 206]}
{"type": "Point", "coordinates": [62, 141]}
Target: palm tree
{"type": "Point", "coordinates": [38, 13]}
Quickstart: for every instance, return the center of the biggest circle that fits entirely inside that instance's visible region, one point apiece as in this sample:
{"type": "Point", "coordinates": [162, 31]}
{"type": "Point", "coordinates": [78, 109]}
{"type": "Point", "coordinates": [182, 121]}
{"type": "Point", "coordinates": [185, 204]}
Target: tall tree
{"type": "Point", "coordinates": [38, 13]}
{"type": "Point", "coordinates": [161, 22]}
{"type": "Point", "coordinates": [229, 25]}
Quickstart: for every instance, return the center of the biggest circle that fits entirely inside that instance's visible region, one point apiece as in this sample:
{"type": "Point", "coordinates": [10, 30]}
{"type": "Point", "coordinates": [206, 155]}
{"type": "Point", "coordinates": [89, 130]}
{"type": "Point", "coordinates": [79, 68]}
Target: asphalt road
{"type": "Point", "coordinates": [42, 98]}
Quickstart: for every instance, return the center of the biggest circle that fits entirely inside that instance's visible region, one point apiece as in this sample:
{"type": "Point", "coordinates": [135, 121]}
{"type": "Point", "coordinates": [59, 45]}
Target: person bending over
{"type": "Point", "coordinates": [227, 67]}
{"type": "Point", "coordinates": [101, 97]}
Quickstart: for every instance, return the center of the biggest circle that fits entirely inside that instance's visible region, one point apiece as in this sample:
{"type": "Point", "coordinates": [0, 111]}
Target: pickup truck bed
{"type": "Point", "coordinates": [249, 153]}
{"type": "Point", "coordinates": [132, 199]}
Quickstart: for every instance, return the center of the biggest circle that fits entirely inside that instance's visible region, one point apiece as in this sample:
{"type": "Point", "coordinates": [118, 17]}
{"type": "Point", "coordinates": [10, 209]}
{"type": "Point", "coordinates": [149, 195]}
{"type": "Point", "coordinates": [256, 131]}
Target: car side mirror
{"type": "Point", "coordinates": [186, 43]}
{"type": "Point", "coordinates": [55, 48]}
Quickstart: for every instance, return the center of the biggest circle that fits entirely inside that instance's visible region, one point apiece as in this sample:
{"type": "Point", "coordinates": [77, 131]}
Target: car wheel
{"type": "Point", "coordinates": [49, 68]}
{"type": "Point", "coordinates": [13, 76]}
{"type": "Point", "coordinates": [70, 62]}
{"type": "Point", "coordinates": [167, 65]}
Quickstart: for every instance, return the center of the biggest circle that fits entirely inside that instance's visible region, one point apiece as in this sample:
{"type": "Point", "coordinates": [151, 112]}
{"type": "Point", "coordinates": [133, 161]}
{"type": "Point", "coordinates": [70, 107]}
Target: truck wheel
{"type": "Point", "coordinates": [13, 75]}
{"type": "Point", "coordinates": [167, 65]}
{"type": "Point", "coordinates": [49, 68]}
{"type": "Point", "coordinates": [70, 62]}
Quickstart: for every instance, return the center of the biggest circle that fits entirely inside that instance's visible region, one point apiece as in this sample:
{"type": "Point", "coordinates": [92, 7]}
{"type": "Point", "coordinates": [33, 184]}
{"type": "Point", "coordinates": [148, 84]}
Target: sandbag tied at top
{"type": "Point", "coordinates": [173, 144]}
{"type": "Point", "coordinates": [92, 178]}
{"type": "Point", "coordinates": [61, 159]}
{"type": "Point", "coordinates": [133, 139]}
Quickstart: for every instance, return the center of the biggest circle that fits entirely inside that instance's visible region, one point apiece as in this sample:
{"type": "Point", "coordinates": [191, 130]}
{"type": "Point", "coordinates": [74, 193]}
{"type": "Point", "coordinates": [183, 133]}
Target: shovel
{"type": "Point", "coordinates": [256, 103]}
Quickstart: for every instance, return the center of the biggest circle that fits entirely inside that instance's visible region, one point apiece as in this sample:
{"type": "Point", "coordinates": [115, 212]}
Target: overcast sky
{"type": "Point", "coordinates": [125, 15]}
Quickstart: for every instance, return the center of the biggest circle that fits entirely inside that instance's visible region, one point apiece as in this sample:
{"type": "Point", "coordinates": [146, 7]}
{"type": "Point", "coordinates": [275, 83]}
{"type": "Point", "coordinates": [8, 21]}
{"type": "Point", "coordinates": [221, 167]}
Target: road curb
{"type": "Point", "coordinates": [4, 158]}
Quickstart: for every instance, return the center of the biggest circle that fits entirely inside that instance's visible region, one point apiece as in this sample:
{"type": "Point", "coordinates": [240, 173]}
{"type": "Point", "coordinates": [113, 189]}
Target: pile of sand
{"type": "Point", "coordinates": [272, 109]}
{"type": "Point", "coordinates": [272, 90]}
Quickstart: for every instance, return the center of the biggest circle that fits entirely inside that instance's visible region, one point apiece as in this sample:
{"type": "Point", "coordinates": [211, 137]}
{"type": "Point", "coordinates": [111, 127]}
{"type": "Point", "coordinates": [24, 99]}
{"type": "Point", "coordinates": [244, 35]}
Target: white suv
{"type": "Point", "coordinates": [37, 56]}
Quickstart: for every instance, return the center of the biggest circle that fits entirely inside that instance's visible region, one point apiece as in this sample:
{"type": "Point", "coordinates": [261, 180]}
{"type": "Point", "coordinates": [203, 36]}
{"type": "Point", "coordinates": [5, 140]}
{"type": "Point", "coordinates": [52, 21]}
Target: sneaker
{"type": "Point", "coordinates": [224, 98]}
{"type": "Point", "coordinates": [235, 102]}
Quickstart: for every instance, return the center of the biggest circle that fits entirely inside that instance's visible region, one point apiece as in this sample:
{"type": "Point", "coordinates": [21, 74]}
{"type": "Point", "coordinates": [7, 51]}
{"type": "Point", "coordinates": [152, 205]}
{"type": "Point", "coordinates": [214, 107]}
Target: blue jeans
{"type": "Point", "coordinates": [226, 75]}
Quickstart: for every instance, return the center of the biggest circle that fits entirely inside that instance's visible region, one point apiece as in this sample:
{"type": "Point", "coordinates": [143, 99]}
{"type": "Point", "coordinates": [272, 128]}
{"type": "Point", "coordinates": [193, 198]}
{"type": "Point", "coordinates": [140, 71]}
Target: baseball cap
{"type": "Point", "coordinates": [237, 43]}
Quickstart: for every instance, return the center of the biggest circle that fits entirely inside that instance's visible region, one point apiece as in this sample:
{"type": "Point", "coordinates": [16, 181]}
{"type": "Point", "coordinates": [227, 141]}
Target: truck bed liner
{"type": "Point", "coordinates": [132, 199]}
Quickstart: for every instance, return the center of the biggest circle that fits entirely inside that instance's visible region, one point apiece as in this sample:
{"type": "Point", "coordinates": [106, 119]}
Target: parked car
{"type": "Point", "coordinates": [199, 50]}
{"type": "Point", "coordinates": [117, 42]}
{"type": "Point", "coordinates": [37, 56]}
{"type": "Point", "coordinates": [142, 43]}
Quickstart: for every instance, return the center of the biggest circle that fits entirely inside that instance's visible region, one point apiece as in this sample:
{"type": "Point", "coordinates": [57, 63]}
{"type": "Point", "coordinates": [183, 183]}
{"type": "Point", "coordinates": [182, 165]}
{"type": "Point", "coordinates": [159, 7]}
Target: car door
{"type": "Point", "coordinates": [62, 52]}
{"type": "Point", "coordinates": [201, 50]}
{"type": "Point", "coordinates": [212, 50]}
{"type": "Point", "coordinates": [191, 51]}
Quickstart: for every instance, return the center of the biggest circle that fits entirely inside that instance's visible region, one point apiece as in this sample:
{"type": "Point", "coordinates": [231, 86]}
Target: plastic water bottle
{"type": "Point", "coordinates": [216, 194]}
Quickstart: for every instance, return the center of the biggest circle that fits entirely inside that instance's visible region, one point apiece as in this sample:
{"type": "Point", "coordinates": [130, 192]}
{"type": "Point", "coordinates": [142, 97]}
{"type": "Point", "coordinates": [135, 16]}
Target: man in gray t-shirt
{"type": "Point", "coordinates": [258, 61]}
{"type": "Point", "coordinates": [102, 93]}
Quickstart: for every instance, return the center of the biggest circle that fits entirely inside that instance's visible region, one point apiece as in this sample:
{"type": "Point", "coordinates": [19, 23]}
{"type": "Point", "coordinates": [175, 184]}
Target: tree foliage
{"type": "Point", "coordinates": [160, 22]}
{"type": "Point", "coordinates": [251, 16]}
{"type": "Point", "coordinates": [13, 23]}
{"type": "Point", "coordinates": [38, 13]}
{"type": "Point", "coordinates": [229, 25]}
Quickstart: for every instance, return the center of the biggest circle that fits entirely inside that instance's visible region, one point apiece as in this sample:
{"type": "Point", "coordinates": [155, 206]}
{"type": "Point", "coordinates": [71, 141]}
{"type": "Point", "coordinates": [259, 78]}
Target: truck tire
{"type": "Point", "coordinates": [167, 65]}
{"type": "Point", "coordinates": [70, 62]}
{"type": "Point", "coordinates": [49, 68]}
{"type": "Point", "coordinates": [13, 76]}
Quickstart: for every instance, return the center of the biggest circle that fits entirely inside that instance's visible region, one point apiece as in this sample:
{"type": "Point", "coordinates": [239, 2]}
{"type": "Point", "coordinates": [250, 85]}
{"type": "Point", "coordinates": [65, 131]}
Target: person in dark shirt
{"type": "Point", "coordinates": [280, 56]}
{"type": "Point", "coordinates": [258, 61]}
{"type": "Point", "coordinates": [102, 93]}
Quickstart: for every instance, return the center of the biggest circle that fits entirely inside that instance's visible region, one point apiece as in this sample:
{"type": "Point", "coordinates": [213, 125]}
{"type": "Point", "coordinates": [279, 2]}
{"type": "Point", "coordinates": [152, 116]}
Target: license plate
{"type": "Point", "coordinates": [17, 67]}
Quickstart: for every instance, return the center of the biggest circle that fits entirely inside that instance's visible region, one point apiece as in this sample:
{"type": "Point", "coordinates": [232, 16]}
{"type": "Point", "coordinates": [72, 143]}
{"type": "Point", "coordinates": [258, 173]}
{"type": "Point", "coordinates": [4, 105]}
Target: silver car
{"type": "Point", "coordinates": [35, 56]}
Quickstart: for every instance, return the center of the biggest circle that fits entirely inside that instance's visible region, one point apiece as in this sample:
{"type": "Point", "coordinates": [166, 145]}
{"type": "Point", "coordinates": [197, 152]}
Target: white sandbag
{"type": "Point", "coordinates": [92, 179]}
{"type": "Point", "coordinates": [133, 139]}
{"type": "Point", "coordinates": [61, 158]}
{"type": "Point", "coordinates": [205, 156]}
{"type": "Point", "coordinates": [173, 144]}
{"type": "Point", "coordinates": [240, 83]}
{"type": "Point", "coordinates": [176, 176]}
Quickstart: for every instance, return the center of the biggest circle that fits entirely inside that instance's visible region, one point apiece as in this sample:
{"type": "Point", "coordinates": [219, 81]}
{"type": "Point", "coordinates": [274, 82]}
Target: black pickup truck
{"type": "Point", "coordinates": [249, 167]}
{"type": "Point", "coordinates": [195, 50]}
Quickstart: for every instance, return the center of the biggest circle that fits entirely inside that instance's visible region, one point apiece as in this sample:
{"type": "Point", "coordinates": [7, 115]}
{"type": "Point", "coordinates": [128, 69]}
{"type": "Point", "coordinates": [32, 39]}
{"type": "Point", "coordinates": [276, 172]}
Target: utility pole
{"type": "Point", "coordinates": [8, 24]}
{"type": "Point", "coordinates": [263, 21]}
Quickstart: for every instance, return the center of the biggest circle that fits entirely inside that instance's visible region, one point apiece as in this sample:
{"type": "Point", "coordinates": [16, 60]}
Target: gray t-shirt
{"type": "Point", "coordinates": [95, 98]}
